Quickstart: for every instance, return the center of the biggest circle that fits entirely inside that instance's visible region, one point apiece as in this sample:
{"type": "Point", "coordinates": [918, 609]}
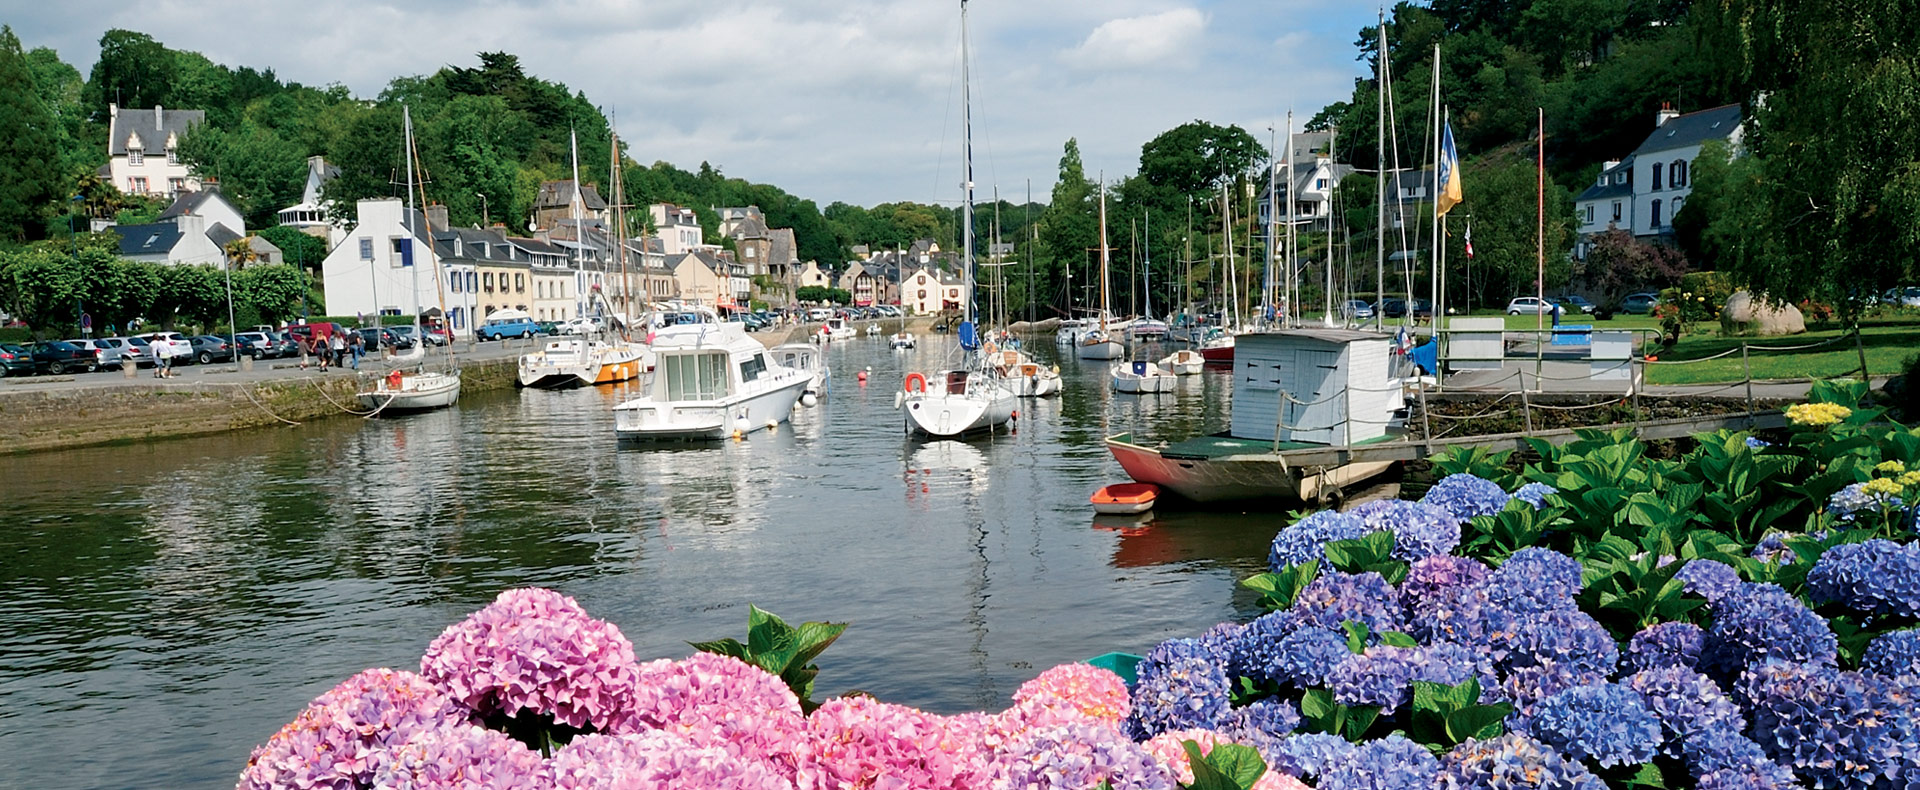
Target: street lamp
{"type": "Point", "coordinates": [483, 210]}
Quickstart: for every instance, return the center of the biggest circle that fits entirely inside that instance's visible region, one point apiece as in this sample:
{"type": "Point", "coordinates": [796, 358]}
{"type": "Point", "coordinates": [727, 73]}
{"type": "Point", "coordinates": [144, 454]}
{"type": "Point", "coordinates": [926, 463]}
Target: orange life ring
{"type": "Point", "coordinates": [916, 382]}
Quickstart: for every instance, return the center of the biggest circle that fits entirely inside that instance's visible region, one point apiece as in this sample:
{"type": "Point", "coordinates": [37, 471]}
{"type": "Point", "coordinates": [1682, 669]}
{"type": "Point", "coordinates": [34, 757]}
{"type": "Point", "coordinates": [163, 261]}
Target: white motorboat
{"type": "Point", "coordinates": [806, 359]}
{"type": "Point", "coordinates": [873, 329]}
{"type": "Point", "coordinates": [1027, 378]}
{"type": "Point", "coordinates": [1070, 332]}
{"type": "Point", "coordinates": [836, 329]}
{"type": "Point", "coordinates": [1096, 345]}
{"type": "Point", "coordinates": [618, 361]}
{"type": "Point", "coordinates": [903, 340]}
{"type": "Point", "coordinates": [564, 364]}
{"type": "Point", "coordinates": [1142, 378]}
{"type": "Point", "coordinates": [710, 381]}
{"type": "Point", "coordinates": [401, 391]}
{"type": "Point", "coordinates": [1185, 362]}
{"type": "Point", "coordinates": [1147, 328]}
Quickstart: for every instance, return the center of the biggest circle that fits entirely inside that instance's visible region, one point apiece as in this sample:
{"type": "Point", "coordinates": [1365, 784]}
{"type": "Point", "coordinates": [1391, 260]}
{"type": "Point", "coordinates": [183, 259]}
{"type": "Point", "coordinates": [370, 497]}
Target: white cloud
{"type": "Point", "coordinates": [1168, 38]}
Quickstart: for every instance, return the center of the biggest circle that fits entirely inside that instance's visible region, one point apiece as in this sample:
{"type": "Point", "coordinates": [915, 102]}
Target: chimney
{"type": "Point", "coordinates": [1666, 113]}
{"type": "Point", "coordinates": [437, 217]}
{"type": "Point", "coordinates": [158, 116]}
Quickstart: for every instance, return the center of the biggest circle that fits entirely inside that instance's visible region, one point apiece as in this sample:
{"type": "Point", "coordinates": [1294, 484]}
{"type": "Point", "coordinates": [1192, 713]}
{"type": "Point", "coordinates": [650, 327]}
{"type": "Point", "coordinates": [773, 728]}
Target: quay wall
{"type": "Point", "coordinates": [143, 409]}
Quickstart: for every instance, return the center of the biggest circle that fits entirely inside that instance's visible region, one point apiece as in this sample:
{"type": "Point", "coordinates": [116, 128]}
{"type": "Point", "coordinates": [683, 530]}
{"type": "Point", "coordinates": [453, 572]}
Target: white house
{"type": "Point", "coordinates": [1662, 166]}
{"type": "Point", "coordinates": [186, 239]}
{"type": "Point", "coordinates": [208, 203]}
{"type": "Point", "coordinates": [386, 264]}
{"type": "Point", "coordinates": [927, 291]}
{"type": "Point", "coordinates": [143, 150]}
{"type": "Point", "coordinates": [1313, 178]}
{"type": "Point", "coordinates": [812, 275]}
{"type": "Point", "coordinates": [310, 215]}
{"type": "Point", "coordinates": [1607, 203]}
{"type": "Point", "coordinates": [678, 228]}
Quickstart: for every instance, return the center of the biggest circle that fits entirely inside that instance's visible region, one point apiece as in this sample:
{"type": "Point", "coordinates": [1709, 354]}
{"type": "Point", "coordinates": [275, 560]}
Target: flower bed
{"type": "Point", "coordinates": [1737, 617]}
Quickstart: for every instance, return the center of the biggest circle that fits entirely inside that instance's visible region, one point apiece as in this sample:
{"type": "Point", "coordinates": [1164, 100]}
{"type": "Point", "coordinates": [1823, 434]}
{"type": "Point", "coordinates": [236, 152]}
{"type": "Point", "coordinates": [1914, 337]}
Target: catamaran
{"type": "Point", "coordinates": [970, 398]}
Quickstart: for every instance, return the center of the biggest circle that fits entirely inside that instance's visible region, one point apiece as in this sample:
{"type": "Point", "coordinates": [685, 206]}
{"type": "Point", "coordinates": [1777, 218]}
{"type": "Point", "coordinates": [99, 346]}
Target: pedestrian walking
{"type": "Point", "coordinates": [357, 346]}
{"type": "Point", "coordinates": [337, 345]}
{"type": "Point", "coordinates": [162, 351]}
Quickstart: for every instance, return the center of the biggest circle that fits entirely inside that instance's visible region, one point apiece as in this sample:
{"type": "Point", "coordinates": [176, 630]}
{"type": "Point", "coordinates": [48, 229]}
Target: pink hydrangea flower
{"type": "Point", "coordinates": [656, 760]}
{"type": "Point", "coordinates": [343, 736]}
{"type": "Point", "coordinates": [463, 757]}
{"type": "Point", "coordinates": [1069, 692]}
{"type": "Point", "coordinates": [537, 651]}
{"type": "Point", "coordinates": [718, 701]}
{"type": "Point", "coordinates": [857, 742]}
{"type": "Point", "coordinates": [1170, 750]}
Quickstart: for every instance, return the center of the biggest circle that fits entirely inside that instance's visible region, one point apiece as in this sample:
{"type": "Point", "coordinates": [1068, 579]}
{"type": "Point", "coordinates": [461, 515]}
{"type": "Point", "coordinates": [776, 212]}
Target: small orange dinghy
{"type": "Point", "coordinates": [1125, 498]}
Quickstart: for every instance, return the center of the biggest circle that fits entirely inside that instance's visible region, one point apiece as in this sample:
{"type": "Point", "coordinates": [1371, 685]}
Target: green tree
{"type": "Point", "coordinates": [133, 71]}
{"type": "Point", "coordinates": [1191, 161]}
{"type": "Point", "coordinates": [297, 249]}
{"type": "Point", "coordinates": [60, 87]}
{"type": "Point", "coordinates": [1619, 263]}
{"type": "Point", "coordinates": [1501, 197]}
{"type": "Point", "coordinates": [257, 169]}
{"type": "Point", "coordinates": [40, 287]}
{"type": "Point", "coordinates": [274, 291]}
{"type": "Point", "coordinates": [30, 176]}
{"type": "Point", "coordinates": [1069, 227]}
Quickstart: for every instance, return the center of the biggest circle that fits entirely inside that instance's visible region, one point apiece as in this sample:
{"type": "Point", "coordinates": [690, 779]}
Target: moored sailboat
{"type": "Point", "coordinates": [1097, 344]}
{"type": "Point", "coordinates": [420, 389]}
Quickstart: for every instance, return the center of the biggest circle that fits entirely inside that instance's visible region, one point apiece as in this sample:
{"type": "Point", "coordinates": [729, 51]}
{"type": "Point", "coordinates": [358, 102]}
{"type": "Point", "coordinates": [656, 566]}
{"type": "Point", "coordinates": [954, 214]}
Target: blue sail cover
{"type": "Point", "coordinates": [969, 340]}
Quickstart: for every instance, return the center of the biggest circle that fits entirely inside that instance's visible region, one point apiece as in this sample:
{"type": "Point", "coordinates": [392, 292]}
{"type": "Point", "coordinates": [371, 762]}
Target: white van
{"type": "Point", "coordinates": [819, 314]}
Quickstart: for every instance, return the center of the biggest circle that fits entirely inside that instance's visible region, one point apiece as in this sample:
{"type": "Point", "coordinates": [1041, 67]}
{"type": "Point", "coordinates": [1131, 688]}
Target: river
{"type": "Point", "coordinates": [168, 606]}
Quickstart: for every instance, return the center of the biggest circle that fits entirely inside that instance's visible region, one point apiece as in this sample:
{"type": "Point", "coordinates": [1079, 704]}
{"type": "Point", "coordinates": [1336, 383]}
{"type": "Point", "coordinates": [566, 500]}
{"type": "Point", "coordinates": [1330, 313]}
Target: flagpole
{"type": "Point", "coordinates": [1440, 241]}
{"type": "Point", "coordinates": [1439, 189]}
{"type": "Point", "coordinates": [1540, 244]}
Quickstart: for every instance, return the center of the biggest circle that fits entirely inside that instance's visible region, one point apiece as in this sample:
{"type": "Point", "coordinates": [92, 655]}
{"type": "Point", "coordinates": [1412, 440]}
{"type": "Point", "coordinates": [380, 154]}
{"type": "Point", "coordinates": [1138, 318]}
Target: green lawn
{"type": "Point", "coordinates": [1888, 343]}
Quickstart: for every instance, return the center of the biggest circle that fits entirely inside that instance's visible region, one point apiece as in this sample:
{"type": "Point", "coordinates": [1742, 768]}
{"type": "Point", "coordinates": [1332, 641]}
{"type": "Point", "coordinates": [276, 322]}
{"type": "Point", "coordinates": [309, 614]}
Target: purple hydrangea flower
{"type": "Point", "coordinates": [465, 756]}
{"type": "Point", "coordinates": [1535, 580]}
{"type": "Point", "coordinates": [1773, 550]}
{"type": "Point", "coordinates": [1734, 760]}
{"type": "Point", "coordinates": [1380, 676]}
{"type": "Point", "coordinates": [1848, 503]}
{"type": "Point", "coordinates": [1686, 702]}
{"type": "Point", "coordinates": [1307, 538]}
{"type": "Point", "coordinates": [1666, 645]}
{"type": "Point", "coordinates": [1075, 756]}
{"type": "Point", "coordinates": [653, 759]}
{"type": "Point", "coordinates": [536, 651]}
{"type": "Point", "coordinates": [1174, 650]}
{"type": "Point", "coordinates": [1181, 694]}
{"type": "Point", "coordinates": [1601, 722]}
{"type": "Point", "coordinates": [1391, 763]}
{"type": "Point", "coordinates": [1310, 754]}
{"type": "Point", "coordinates": [1569, 638]}
{"type": "Point", "coordinates": [1836, 729]}
{"type": "Point", "coordinates": [1535, 494]}
{"type": "Point", "coordinates": [1431, 579]}
{"type": "Point", "coordinates": [1306, 656]}
{"type": "Point", "coordinates": [1418, 530]}
{"type": "Point", "coordinates": [1512, 762]}
{"type": "Point", "coordinates": [1465, 496]}
{"type": "Point", "coordinates": [1894, 654]}
{"type": "Point", "coordinates": [1334, 598]}
{"type": "Point", "coordinates": [1262, 724]}
{"type": "Point", "coordinates": [1875, 577]}
{"type": "Point", "coordinates": [1760, 622]}
{"type": "Point", "coordinates": [1257, 653]}
{"type": "Point", "coordinates": [344, 736]}
{"type": "Point", "coordinates": [1709, 579]}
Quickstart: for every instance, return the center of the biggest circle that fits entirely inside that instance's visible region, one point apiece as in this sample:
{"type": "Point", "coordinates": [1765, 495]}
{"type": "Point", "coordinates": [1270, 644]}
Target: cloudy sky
{"type": "Point", "coordinates": [851, 100]}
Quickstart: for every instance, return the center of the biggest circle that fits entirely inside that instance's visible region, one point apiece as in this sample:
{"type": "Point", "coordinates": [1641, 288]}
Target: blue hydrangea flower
{"type": "Point", "coordinates": [1428, 579]}
{"type": "Point", "coordinates": [1173, 650]}
{"type": "Point", "coordinates": [1525, 687]}
{"type": "Point", "coordinates": [1306, 656]}
{"type": "Point", "coordinates": [1686, 702]}
{"type": "Point", "coordinates": [1272, 717]}
{"type": "Point", "coordinates": [1767, 776]}
{"type": "Point", "coordinates": [1709, 579]}
{"type": "Point", "coordinates": [1310, 754]}
{"type": "Point", "coordinates": [1180, 694]}
{"type": "Point", "coordinates": [1755, 443]}
{"type": "Point", "coordinates": [1334, 598]}
{"type": "Point", "coordinates": [1512, 762]}
{"type": "Point", "coordinates": [1391, 763]}
{"type": "Point", "coordinates": [1452, 665]}
{"type": "Point", "coordinates": [1758, 622]}
{"type": "Point", "coordinates": [1893, 654]}
{"type": "Point", "coordinates": [1258, 651]}
{"type": "Point", "coordinates": [1466, 496]}
{"type": "Point", "coordinates": [1466, 615]}
{"type": "Point", "coordinates": [1773, 550]}
{"type": "Point", "coordinates": [1848, 503]}
{"type": "Point", "coordinates": [1307, 538]}
{"type": "Point", "coordinates": [1601, 722]}
{"type": "Point", "coordinates": [1734, 761]}
{"type": "Point", "coordinates": [1569, 638]}
{"type": "Point", "coordinates": [1380, 676]}
{"type": "Point", "coordinates": [1835, 729]}
{"type": "Point", "coordinates": [1223, 640]}
{"type": "Point", "coordinates": [1875, 577]}
{"type": "Point", "coordinates": [1535, 580]}
{"type": "Point", "coordinates": [1418, 530]}
{"type": "Point", "coordinates": [1535, 494]}
{"type": "Point", "coordinates": [1666, 645]}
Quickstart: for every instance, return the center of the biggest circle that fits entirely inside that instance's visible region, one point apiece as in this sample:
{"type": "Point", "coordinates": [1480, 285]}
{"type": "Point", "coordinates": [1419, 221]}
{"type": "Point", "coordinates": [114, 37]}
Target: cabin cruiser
{"type": "Point", "coordinates": [578, 361]}
{"type": "Point", "coordinates": [709, 381]}
{"type": "Point", "coordinates": [1185, 362]}
{"type": "Point", "coordinates": [806, 359]}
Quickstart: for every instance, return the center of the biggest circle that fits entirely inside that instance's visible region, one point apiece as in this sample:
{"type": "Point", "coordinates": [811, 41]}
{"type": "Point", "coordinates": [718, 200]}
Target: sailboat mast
{"type": "Point", "coordinates": [1146, 271]}
{"type": "Point", "coordinates": [579, 234]}
{"type": "Point", "coordinates": [1380, 165]}
{"type": "Point", "coordinates": [1293, 248]}
{"type": "Point", "coordinates": [1333, 185]}
{"type": "Point", "coordinates": [619, 217]}
{"type": "Point", "coordinates": [966, 165]}
{"type": "Point", "coordinates": [1226, 224]}
{"type": "Point", "coordinates": [1267, 283]}
{"type": "Point", "coordinates": [1104, 302]}
{"type": "Point", "coordinates": [1033, 233]}
{"type": "Point", "coordinates": [413, 232]}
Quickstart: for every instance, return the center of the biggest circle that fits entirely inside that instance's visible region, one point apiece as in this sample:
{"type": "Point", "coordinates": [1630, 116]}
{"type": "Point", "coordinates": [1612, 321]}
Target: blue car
{"type": "Point", "coordinates": [513, 327]}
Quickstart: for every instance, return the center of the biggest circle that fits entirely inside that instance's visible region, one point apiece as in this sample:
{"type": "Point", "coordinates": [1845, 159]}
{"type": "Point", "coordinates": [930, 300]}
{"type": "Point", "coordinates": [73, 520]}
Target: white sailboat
{"type": "Point", "coordinates": [1185, 362]}
{"type": "Point", "coordinates": [970, 398]}
{"type": "Point", "coordinates": [1027, 378]}
{"type": "Point", "coordinates": [1096, 343]}
{"type": "Point", "coordinates": [419, 389]}
{"type": "Point", "coordinates": [1141, 377]}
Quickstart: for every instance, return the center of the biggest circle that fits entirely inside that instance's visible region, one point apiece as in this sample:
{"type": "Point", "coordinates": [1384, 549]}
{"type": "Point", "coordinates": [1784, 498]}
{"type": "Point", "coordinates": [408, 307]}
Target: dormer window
{"type": "Point", "coordinates": [1620, 177]}
{"type": "Point", "coordinates": [173, 155]}
{"type": "Point", "coordinates": [136, 157]}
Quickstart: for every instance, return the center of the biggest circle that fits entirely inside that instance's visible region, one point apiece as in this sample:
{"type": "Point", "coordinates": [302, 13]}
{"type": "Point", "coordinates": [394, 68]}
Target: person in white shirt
{"type": "Point", "coordinates": [162, 358]}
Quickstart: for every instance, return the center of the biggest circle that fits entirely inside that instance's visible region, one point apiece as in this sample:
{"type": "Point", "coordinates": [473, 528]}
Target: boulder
{"type": "Point", "coordinates": [1745, 314]}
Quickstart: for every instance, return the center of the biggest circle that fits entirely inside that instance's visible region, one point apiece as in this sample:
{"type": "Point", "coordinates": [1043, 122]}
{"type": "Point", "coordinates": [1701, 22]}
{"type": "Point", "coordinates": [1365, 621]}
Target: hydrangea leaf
{"type": "Point", "coordinates": [1398, 639]}
{"type": "Point", "coordinates": [1478, 722]}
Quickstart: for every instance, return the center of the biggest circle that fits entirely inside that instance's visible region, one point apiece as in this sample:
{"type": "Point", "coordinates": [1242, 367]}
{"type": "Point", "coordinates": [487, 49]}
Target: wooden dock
{"type": "Point", "coordinates": [1673, 428]}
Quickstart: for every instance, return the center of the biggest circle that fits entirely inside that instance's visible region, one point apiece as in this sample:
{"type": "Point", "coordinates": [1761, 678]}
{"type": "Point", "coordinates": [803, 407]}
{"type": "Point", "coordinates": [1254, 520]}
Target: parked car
{"type": "Point", "coordinates": [324, 330]}
{"type": "Point", "coordinates": [182, 347]}
{"type": "Point", "coordinates": [512, 327]}
{"type": "Point", "coordinates": [15, 360]}
{"type": "Point", "coordinates": [579, 326]}
{"type": "Point", "coordinates": [208, 349]}
{"type": "Point", "coordinates": [134, 348]}
{"type": "Point", "coordinates": [819, 314]}
{"type": "Point", "coordinates": [59, 356]}
{"type": "Point", "coordinates": [1908, 296]}
{"type": "Point", "coordinates": [1573, 302]}
{"type": "Point", "coordinates": [1529, 304]}
{"type": "Point", "coordinates": [1642, 302]}
{"type": "Point", "coordinates": [261, 345]}
{"type": "Point", "coordinates": [407, 335]}
{"type": "Point", "coordinates": [1355, 308]}
{"type": "Point", "coordinates": [108, 356]}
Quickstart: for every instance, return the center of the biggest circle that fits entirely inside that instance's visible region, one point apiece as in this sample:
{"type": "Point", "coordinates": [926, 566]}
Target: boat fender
{"type": "Point", "coordinates": [773, 425]}
{"type": "Point", "coordinates": [393, 380]}
{"type": "Point", "coordinates": [898, 399]}
{"type": "Point", "coordinates": [808, 400]}
{"type": "Point", "coordinates": [916, 382]}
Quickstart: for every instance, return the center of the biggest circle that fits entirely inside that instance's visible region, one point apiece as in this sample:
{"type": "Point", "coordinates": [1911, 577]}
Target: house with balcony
{"type": "Point", "coordinates": [310, 215]}
{"type": "Point", "coordinates": [1308, 179]}
{"type": "Point", "coordinates": [143, 150]}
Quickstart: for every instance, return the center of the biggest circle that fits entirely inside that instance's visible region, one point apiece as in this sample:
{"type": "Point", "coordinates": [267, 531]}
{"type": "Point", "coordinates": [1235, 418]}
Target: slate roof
{"type": "Point", "coordinates": [1693, 128]}
{"type": "Point", "coordinates": [559, 194]}
{"type": "Point", "coordinates": [154, 239]}
{"type": "Point", "coordinates": [749, 228]}
{"type": "Point", "coordinates": [129, 121]}
{"type": "Point", "coordinates": [189, 202]}
{"type": "Point", "coordinates": [221, 235]}
{"type": "Point", "coordinates": [1611, 189]}
{"type": "Point", "coordinates": [785, 249]}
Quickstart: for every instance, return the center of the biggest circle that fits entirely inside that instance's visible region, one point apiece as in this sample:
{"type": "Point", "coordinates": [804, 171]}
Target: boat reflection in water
{"type": "Point", "coordinates": [1201, 539]}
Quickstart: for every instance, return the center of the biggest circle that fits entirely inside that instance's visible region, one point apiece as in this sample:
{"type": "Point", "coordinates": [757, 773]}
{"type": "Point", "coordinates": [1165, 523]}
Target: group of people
{"type": "Point", "coordinates": [331, 350]}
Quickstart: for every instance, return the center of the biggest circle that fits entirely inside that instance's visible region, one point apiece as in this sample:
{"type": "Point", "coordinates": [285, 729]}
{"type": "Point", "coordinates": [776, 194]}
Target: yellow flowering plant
{"type": "Point", "coordinates": [1817, 415]}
